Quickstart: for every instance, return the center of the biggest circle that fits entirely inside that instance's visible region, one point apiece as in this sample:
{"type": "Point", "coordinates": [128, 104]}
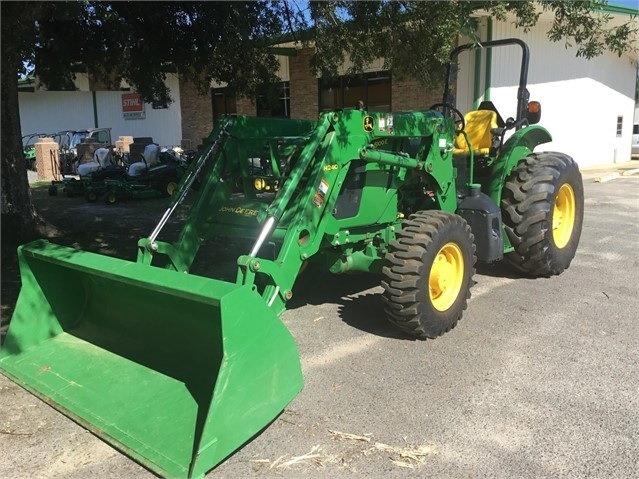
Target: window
{"type": "Point", "coordinates": [374, 89]}
{"type": "Point", "coordinates": [224, 102]}
{"type": "Point", "coordinates": [159, 104]}
{"type": "Point", "coordinates": [619, 126]}
{"type": "Point", "coordinates": [103, 136]}
{"type": "Point", "coordinates": [274, 100]}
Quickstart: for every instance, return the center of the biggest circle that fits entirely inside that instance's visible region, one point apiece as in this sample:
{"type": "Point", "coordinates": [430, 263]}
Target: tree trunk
{"type": "Point", "coordinates": [19, 219]}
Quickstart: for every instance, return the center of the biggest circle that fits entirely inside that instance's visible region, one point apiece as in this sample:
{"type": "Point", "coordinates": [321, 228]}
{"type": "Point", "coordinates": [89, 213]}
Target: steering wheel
{"type": "Point", "coordinates": [458, 116]}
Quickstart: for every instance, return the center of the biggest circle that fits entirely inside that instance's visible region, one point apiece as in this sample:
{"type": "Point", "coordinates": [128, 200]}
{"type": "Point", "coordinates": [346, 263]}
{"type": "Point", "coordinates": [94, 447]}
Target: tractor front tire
{"type": "Point", "coordinates": [542, 210]}
{"type": "Point", "coordinates": [428, 273]}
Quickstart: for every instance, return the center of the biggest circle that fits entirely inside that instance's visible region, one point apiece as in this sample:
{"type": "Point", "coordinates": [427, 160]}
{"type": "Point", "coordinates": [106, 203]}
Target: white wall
{"type": "Point", "coordinates": [164, 126]}
{"type": "Point", "coordinates": [581, 99]}
{"type": "Point", "coordinates": [53, 111]}
{"type": "Point", "coordinates": [50, 112]}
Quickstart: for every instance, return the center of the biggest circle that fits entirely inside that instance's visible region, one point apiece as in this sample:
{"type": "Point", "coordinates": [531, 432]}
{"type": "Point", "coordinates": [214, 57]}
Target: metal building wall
{"type": "Point", "coordinates": [50, 112]}
{"type": "Point", "coordinates": [53, 111]}
{"type": "Point", "coordinates": [163, 125]}
{"type": "Point", "coordinates": [581, 99]}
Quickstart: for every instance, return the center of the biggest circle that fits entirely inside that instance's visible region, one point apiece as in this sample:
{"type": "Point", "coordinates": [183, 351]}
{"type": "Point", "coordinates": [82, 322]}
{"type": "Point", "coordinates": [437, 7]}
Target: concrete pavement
{"type": "Point", "coordinates": [607, 172]}
{"type": "Point", "coordinates": [539, 380]}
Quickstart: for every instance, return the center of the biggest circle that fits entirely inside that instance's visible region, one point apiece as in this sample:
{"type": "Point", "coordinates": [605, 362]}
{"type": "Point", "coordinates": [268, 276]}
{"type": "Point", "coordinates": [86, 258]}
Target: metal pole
{"type": "Point", "coordinates": [189, 181]}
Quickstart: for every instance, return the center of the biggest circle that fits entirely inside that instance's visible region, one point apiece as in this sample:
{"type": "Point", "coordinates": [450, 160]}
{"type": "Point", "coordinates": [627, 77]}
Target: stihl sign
{"type": "Point", "coordinates": [132, 106]}
{"type": "Point", "coordinates": [132, 102]}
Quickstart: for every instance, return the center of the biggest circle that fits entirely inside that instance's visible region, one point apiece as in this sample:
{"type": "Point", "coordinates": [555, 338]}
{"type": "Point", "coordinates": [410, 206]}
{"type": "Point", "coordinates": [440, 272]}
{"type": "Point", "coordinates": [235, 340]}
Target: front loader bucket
{"type": "Point", "coordinates": [176, 370]}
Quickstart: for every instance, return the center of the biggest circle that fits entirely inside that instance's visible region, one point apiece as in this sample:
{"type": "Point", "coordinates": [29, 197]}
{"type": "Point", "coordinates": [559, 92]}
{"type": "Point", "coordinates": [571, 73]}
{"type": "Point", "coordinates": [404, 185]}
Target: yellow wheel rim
{"type": "Point", "coordinates": [171, 187]}
{"type": "Point", "coordinates": [446, 277]}
{"type": "Point", "coordinates": [259, 184]}
{"type": "Point", "coordinates": [563, 217]}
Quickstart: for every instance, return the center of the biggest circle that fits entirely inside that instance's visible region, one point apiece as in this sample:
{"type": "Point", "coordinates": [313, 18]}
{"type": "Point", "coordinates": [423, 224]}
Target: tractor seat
{"type": "Point", "coordinates": [479, 128]}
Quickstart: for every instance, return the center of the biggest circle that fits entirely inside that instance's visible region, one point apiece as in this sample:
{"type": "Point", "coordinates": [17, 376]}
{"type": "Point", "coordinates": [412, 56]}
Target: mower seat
{"type": "Point", "coordinates": [85, 169]}
{"type": "Point", "coordinates": [479, 128]}
{"type": "Point", "coordinates": [101, 159]}
{"type": "Point", "coordinates": [136, 169]}
{"type": "Point", "coordinates": [151, 157]}
{"type": "Point", "coordinates": [102, 156]}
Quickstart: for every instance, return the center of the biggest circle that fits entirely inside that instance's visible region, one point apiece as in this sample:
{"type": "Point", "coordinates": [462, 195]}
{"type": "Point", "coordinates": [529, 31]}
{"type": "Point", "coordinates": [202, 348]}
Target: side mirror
{"type": "Point", "coordinates": [533, 115]}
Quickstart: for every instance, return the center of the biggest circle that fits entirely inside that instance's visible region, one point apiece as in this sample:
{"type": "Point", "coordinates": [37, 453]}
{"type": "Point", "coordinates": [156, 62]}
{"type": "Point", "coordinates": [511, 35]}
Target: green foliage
{"type": "Point", "coordinates": [415, 37]}
{"type": "Point", "coordinates": [140, 42]}
{"type": "Point", "coordinates": [228, 42]}
{"type": "Point", "coordinates": [584, 24]}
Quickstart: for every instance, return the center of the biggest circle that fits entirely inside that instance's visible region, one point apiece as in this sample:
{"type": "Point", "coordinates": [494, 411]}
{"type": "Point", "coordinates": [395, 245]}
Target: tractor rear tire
{"type": "Point", "coordinates": [542, 210]}
{"type": "Point", "coordinates": [428, 273]}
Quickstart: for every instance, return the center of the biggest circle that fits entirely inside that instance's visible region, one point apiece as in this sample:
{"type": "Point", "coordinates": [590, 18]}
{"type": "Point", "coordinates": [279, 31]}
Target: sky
{"type": "Point", "coordinates": [625, 3]}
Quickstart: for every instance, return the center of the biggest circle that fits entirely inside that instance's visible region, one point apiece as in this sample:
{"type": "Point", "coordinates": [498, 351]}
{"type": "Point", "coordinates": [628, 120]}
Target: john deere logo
{"type": "Point", "coordinates": [368, 124]}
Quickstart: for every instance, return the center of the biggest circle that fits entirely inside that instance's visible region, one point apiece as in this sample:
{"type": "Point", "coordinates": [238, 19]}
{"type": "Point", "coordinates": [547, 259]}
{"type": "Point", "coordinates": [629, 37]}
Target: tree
{"type": "Point", "coordinates": [18, 215]}
{"type": "Point", "coordinates": [231, 42]}
{"type": "Point", "coordinates": [416, 38]}
{"type": "Point", "coordinates": [139, 42]}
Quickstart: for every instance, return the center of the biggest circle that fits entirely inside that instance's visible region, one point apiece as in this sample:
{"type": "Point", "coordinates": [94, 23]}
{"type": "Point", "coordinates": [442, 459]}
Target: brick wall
{"type": "Point", "coordinates": [409, 94]}
{"type": "Point", "coordinates": [245, 106]}
{"type": "Point", "coordinates": [304, 93]}
{"type": "Point", "coordinates": [406, 94]}
{"type": "Point", "coordinates": [197, 114]}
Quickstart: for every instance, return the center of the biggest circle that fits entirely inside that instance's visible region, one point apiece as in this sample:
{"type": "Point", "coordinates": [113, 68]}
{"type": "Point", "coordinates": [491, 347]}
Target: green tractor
{"type": "Point", "coordinates": [178, 365]}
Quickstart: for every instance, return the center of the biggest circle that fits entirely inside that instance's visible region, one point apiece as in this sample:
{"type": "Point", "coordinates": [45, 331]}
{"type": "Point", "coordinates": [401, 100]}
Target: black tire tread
{"type": "Point", "coordinates": [527, 205]}
{"type": "Point", "coordinates": [403, 276]}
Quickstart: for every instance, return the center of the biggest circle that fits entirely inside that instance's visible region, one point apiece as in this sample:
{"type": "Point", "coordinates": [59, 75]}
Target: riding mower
{"type": "Point", "coordinates": [92, 175]}
{"type": "Point", "coordinates": [185, 365]}
{"type": "Point", "coordinates": [156, 174]}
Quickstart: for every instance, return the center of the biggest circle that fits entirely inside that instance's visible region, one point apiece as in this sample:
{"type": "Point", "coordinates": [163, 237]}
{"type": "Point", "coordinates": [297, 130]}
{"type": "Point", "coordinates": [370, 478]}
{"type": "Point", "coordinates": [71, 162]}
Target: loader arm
{"type": "Point", "coordinates": [315, 226]}
{"type": "Point", "coordinates": [322, 210]}
{"type": "Point", "coordinates": [216, 170]}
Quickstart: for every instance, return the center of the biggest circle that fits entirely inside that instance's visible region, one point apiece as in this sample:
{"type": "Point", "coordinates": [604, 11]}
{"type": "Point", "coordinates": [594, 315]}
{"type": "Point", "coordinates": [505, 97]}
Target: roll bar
{"type": "Point", "coordinates": [522, 93]}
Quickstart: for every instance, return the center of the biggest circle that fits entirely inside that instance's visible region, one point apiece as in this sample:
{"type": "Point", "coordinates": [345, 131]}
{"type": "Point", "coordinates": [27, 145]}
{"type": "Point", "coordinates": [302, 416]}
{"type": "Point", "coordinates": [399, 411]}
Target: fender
{"type": "Point", "coordinates": [516, 148]}
{"type": "Point", "coordinates": [521, 144]}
